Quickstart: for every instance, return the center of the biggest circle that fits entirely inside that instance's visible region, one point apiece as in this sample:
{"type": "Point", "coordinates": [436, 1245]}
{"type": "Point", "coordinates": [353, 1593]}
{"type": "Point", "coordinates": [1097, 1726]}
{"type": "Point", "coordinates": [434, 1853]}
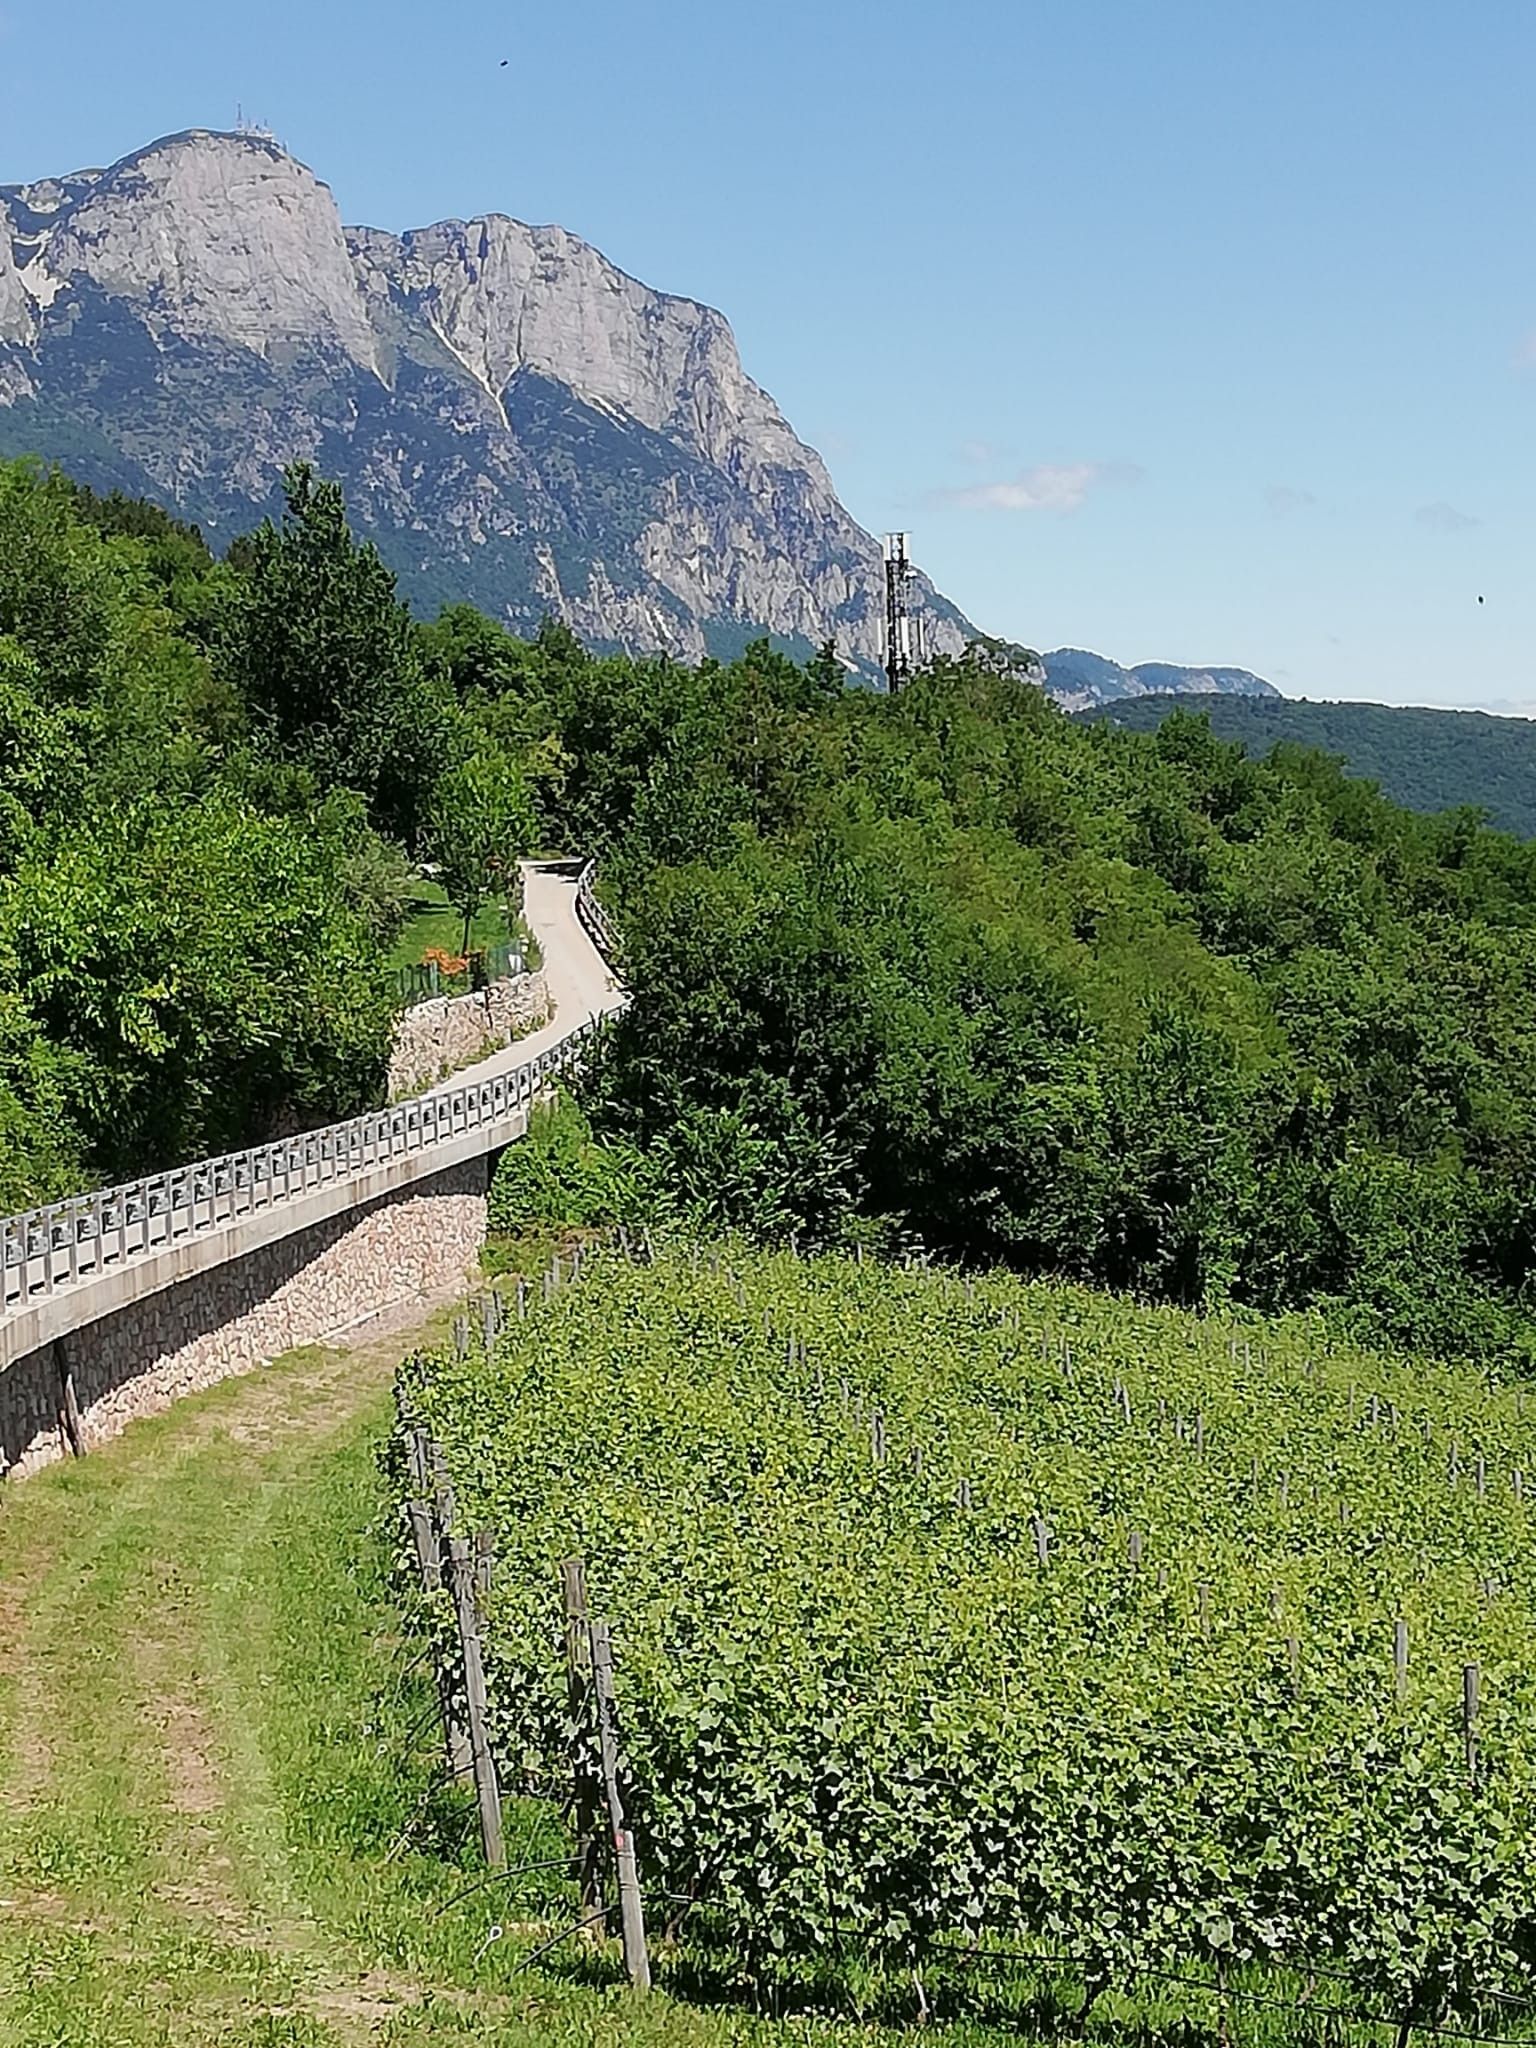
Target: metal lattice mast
{"type": "Point", "coordinates": [898, 611]}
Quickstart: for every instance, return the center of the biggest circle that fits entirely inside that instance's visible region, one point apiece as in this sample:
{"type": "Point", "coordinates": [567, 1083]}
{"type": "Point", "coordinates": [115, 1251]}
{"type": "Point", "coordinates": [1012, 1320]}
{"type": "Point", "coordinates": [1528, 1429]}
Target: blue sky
{"type": "Point", "coordinates": [1184, 332]}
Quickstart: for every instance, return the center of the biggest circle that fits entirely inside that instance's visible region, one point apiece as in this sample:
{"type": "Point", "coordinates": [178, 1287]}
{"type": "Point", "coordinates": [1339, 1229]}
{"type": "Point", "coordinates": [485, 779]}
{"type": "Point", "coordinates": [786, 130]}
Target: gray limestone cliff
{"type": "Point", "coordinates": [515, 420]}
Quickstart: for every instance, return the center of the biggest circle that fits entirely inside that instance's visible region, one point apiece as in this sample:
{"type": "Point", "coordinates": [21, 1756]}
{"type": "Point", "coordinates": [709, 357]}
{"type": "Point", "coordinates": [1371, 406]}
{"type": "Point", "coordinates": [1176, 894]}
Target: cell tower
{"type": "Point", "coordinates": [256, 131]}
{"type": "Point", "coordinates": [898, 612]}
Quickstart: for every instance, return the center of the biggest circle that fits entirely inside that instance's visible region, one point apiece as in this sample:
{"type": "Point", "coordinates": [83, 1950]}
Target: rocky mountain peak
{"type": "Point", "coordinates": [516, 420]}
{"type": "Point", "coordinates": [208, 235]}
{"type": "Point", "coordinates": [1078, 679]}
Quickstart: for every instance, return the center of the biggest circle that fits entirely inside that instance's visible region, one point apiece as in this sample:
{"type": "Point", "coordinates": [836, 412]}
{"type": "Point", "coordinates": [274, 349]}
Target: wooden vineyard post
{"type": "Point", "coordinates": [585, 1816]}
{"type": "Point", "coordinates": [1470, 1679]}
{"type": "Point", "coordinates": [631, 1915]}
{"type": "Point", "coordinates": [424, 1537]}
{"type": "Point", "coordinates": [428, 1536]}
{"type": "Point", "coordinates": [487, 1792]}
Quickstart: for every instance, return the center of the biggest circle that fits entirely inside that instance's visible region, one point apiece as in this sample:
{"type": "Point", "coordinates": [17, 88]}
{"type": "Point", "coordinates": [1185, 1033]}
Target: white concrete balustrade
{"type": "Point", "coordinates": [71, 1262]}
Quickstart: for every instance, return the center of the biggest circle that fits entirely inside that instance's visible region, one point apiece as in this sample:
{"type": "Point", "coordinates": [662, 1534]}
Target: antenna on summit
{"type": "Point", "coordinates": [898, 611]}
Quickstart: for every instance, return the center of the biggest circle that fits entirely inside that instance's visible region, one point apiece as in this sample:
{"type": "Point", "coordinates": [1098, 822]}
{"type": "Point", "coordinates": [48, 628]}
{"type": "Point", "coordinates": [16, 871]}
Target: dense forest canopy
{"type": "Point", "coordinates": [953, 969]}
{"type": "Point", "coordinates": [1428, 760]}
{"type": "Point", "coordinates": [947, 970]}
{"type": "Point", "coordinates": [191, 908]}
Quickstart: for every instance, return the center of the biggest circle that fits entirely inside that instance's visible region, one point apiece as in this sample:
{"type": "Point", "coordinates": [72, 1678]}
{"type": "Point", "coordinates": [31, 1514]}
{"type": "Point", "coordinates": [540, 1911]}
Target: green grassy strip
{"type": "Point", "coordinates": [224, 1816]}
{"type": "Point", "coordinates": [434, 922]}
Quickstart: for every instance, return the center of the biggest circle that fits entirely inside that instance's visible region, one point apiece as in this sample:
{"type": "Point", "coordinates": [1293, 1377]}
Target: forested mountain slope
{"type": "Point", "coordinates": [1428, 760]}
{"type": "Point", "coordinates": [957, 971]}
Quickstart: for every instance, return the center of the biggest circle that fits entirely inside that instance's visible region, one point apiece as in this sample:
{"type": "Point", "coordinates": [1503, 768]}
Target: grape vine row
{"type": "Point", "coordinates": [987, 1612]}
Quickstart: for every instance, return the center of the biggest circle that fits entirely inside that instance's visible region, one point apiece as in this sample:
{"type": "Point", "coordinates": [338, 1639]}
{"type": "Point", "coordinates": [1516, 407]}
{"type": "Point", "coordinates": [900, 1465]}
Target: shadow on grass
{"type": "Point", "coordinates": [977, 1992]}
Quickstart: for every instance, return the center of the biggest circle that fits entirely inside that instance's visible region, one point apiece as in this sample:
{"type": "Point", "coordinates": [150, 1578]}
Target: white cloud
{"type": "Point", "coordinates": [1048, 487]}
{"type": "Point", "coordinates": [1281, 499]}
{"type": "Point", "coordinates": [1443, 518]}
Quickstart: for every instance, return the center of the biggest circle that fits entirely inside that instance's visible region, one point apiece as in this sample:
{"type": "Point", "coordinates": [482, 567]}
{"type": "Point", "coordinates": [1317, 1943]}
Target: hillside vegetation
{"type": "Point", "coordinates": [211, 776]}
{"type": "Point", "coordinates": [947, 970]}
{"type": "Point", "coordinates": [1105, 1647]}
{"type": "Point", "coordinates": [1427, 760]}
{"type": "Point", "coordinates": [952, 969]}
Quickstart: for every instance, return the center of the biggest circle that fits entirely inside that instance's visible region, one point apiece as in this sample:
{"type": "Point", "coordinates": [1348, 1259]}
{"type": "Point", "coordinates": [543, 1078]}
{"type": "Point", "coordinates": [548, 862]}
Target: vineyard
{"type": "Point", "coordinates": [962, 1626]}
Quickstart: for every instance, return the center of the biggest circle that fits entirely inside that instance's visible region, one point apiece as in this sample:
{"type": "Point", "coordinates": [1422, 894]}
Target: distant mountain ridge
{"type": "Point", "coordinates": [1078, 679]}
{"type": "Point", "coordinates": [515, 421]}
{"type": "Point", "coordinates": [1425, 759]}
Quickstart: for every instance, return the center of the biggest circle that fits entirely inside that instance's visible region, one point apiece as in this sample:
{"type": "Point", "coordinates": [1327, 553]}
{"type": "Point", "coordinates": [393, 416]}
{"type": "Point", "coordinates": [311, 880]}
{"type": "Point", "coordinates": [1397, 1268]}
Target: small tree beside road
{"type": "Point", "coordinates": [480, 820]}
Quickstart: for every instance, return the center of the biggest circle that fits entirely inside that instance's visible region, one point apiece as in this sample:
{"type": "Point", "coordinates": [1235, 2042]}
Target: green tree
{"type": "Point", "coordinates": [481, 819]}
{"type": "Point", "coordinates": [202, 969]}
{"type": "Point", "coordinates": [326, 656]}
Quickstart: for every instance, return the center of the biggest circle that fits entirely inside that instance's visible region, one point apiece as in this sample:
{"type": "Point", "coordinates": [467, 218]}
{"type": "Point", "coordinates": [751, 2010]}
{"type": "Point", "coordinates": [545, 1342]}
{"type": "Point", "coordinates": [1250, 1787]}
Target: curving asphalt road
{"type": "Point", "coordinates": [580, 982]}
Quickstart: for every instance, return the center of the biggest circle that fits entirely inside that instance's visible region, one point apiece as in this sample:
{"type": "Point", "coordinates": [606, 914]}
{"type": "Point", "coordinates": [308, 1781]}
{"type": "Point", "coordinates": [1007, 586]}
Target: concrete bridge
{"type": "Point", "coordinates": [117, 1301]}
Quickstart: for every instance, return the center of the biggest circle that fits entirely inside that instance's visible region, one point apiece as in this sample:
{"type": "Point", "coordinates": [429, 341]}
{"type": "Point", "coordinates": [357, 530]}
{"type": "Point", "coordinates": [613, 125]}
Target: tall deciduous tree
{"type": "Point", "coordinates": [325, 654]}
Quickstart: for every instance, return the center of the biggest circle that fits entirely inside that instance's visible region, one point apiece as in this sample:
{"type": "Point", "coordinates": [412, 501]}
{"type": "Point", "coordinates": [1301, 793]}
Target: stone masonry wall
{"type": "Point", "coordinates": [237, 1315]}
{"type": "Point", "coordinates": [436, 1039]}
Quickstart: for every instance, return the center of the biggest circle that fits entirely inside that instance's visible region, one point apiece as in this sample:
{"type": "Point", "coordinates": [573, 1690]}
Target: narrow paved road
{"type": "Point", "coordinates": [580, 983]}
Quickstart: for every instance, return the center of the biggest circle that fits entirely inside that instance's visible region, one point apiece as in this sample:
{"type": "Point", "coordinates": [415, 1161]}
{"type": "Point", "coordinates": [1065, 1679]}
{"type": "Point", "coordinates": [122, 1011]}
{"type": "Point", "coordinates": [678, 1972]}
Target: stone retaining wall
{"type": "Point", "coordinates": [295, 1291]}
{"type": "Point", "coordinates": [437, 1038]}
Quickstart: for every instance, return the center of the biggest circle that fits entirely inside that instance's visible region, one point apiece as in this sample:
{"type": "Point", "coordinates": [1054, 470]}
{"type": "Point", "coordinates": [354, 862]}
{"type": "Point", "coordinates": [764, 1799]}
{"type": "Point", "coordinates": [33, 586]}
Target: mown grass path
{"type": "Point", "coordinates": [223, 1814]}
